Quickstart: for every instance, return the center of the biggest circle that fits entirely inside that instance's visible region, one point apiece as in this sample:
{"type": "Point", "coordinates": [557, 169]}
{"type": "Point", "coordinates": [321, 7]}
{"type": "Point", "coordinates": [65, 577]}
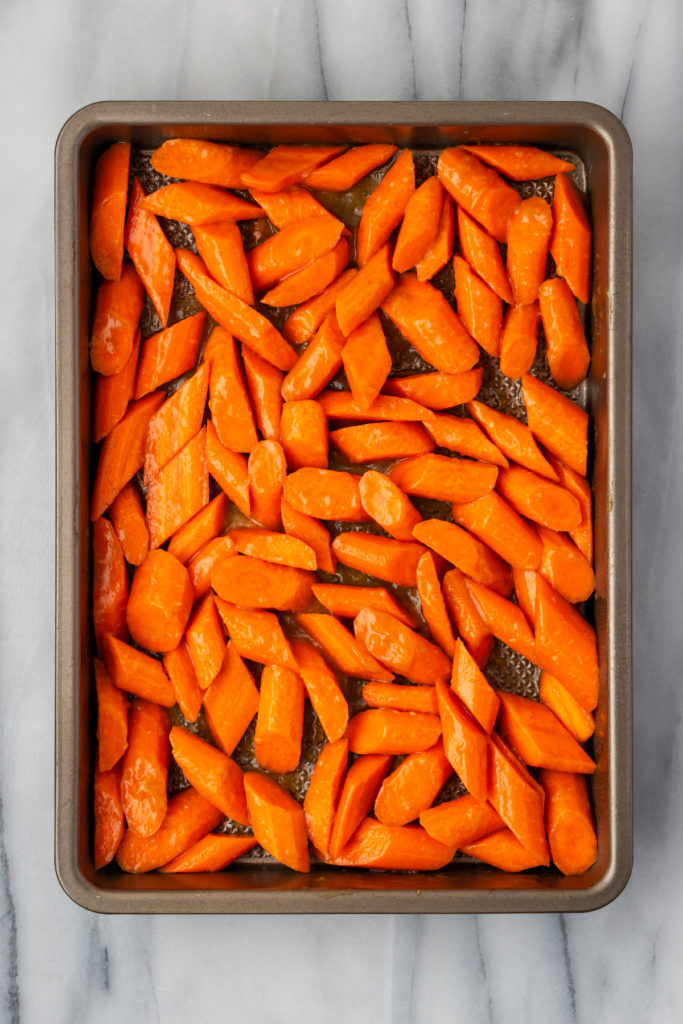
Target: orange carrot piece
{"type": "Point", "coordinates": [566, 345]}
{"type": "Point", "coordinates": [387, 731]}
{"type": "Point", "coordinates": [473, 689]}
{"type": "Point", "coordinates": [220, 246]}
{"type": "Point", "coordinates": [200, 567]}
{"type": "Point", "coordinates": [278, 821]}
{"type": "Point", "coordinates": [229, 470]}
{"type": "Point", "coordinates": [506, 620]}
{"type": "Point", "coordinates": [513, 438]}
{"type": "Point", "coordinates": [130, 526]}
{"type": "Point", "coordinates": [579, 722]}
{"type": "Point", "coordinates": [519, 340]}
{"type": "Point", "coordinates": [440, 251]}
{"type": "Point", "coordinates": [150, 251]}
{"type": "Point", "coordinates": [214, 775]}
{"type": "Point", "coordinates": [369, 442]}
{"type": "Point", "coordinates": [274, 547]}
{"type": "Point", "coordinates": [231, 702]}
{"type": "Point", "coordinates": [178, 491]}
{"type": "Point", "coordinates": [228, 397]}
{"type": "Point", "coordinates": [252, 583]}
{"type": "Point", "coordinates": [365, 292]}
{"type": "Point", "coordinates": [303, 322]}
{"type": "Point", "coordinates": [342, 648]}
{"type": "Point", "coordinates": [517, 798]}
{"type": "Point", "coordinates": [479, 308]}
{"type": "Point", "coordinates": [577, 485]}
{"type": "Point", "coordinates": [312, 533]}
{"type": "Point", "coordinates": [419, 226]}
{"type": "Point", "coordinates": [401, 698]}
{"type": "Point", "coordinates": [322, 795]}
{"type": "Point", "coordinates": [209, 162]}
{"type": "Point", "coordinates": [495, 523]}
{"type": "Point", "coordinates": [289, 206]}
{"type": "Point", "coordinates": [347, 170]}
{"type": "Point", "coordinates": [112, 719]}
{"type": "Point", "coordinates": [381, 557]}
{"type": "Point", "coordinates": [534, 733]}
{"type": "Point", "coordinates": [317, 364]}
{"type": "Point", "coordinates": [537, 498]}
{"type": "Point", "coordinates": [385, 207]}
{"type": "Point", "coordinates": [280, 720]}
{"type": "Point", "coordinates": [347, 601]}
{"type": "Point", "coordinates": [115, 322]}
{"type": "Point", "coordinates": [108, 210]}
{"type": "Point", "coordinates": [437, 390]}
{"type": "Point", "coordinates": [388, 505]}
{"type": "Point", "coordinates": [160, 602]}
{"type": "Point", "coordinates": [483, 255]}
{"type": "Point", "coordinates": [110, 583]}
{"type": "Point", "coordinates": [393, 848]}
{"type": "Point", "coordinates": [423, 316]}
{"type": "Point", "coordinates": [566, 645]}
{"type": "Point", "coordinates": [325, 494]}
{"type": "Point", "coordinates": [291, 249]}
{"type": "Point", "coordinates": [205, 641]}
{"type": "Point", "coordinates": [206, 525]}
{"type": "Point", "coordinates": [266, 470]}
{"type": "Point", "coordinates": [341, 405]}
{"type": "Point", "coordinates": [525, 592]}
{"type": "Point", "coordinates": [108, 814]}
{"type": "Point", "coordinates": [195, 203]}
{"type": "Point", "coordinates": [358, 792]}
{"type": "Point", "coordinates": [136, 672]}
{"type": "Point", "coordinates": [469, 555]}
{"type": "Point", "coordinates": [367, 361]}
{"type": "Point", "coordinates": [212, 853]}
{"type": "Point", "coordinates": [504, 851]}
{"type": "Point", "coordinates": [303, 434]}
{"type": "Point", "coordinates": [413, 786]}
{"type": "Point", "coordinates": [324, 693]}
{"type": "Point", "coordinates": [570, 244]}
{"type": "Point", "coordinates": [188, 692]}
{"type": "Point", "coordinates": [443, 478]}
{"type": "Point", "coordinates": [569, 822]}
{"type": "Point", "coordinates": [466, 616]}
{"type": "Point", "coordinates": [286, 165]}
{"type": "Point", "coordinates": [527, 252]}
{"type": "Point", "coordinates": [188, 819]}
{"type": "Point", "coordinates": [264, 382]}
{"type": "Point", "coordinates": [310, 279]}
{"type": "Point", "coordinates": [144, 769]}
{"type": "Point", "coordinates": [256, 634]}
{"type": "Point", "coordinates": [558, 423]}
{"type": "Point", "coordinates": [565, 567]}
{"type": "Point", "coordinates": [464, 742]}
{"type": "Point", "coordinates": [175, 424]}
{"type": "Point", "coordinates": [433, 604]}
{"type": "Point", "coordinates": [169, 353]}
{"type": "Point", "coordinates": [479, 190]}
{"type": "Point", "coordinates": [463, 436]}
{"type": "Point", "coordinates": [400, 648]}
{"type": "Point", "coordinates": [521, 163]}
{"type": "Point", "coordinates": [461, 821]}
{"type": "Point", "coordinates": [112, 394]}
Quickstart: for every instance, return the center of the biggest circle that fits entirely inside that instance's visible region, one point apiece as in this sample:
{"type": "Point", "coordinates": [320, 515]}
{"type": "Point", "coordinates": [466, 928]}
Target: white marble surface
{"type": "Point", "coordinates": [60, 963]}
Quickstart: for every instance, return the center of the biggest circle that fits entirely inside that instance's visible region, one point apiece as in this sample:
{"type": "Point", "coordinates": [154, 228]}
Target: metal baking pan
{"type": "Point", "coordinates": [600, 144]}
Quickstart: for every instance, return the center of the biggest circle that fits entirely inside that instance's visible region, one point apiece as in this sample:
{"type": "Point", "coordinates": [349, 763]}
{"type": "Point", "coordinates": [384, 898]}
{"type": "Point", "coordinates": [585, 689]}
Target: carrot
{"type": "Point", "coordinates": [180, 670]}
{"type": "Point", "coordinates": [521, 163]}
{"type": "Point", "coordinates": [322, 795]}
{"type": "Point", "coordinates": [467, 553]}
{"type": "Point", "coordinates": [231, 702]}
{"type": "Point", "coordinates": [229, 470]}
{"type": "Point", "coordinates": [256, 634]}
{"type": "Point", "coordinates": [537, 498]}
{"type": "Point", "coordinates": [289, 206]}
{"type": "Point", "coordinates": [214, 775]}
{"type": "Point", "coordinates": [150, 251]}
{"type": "Point", "coordinates": [479, 308]}
{"type": "Point", "coordinates": [527, 252]}
{"type": "Point", "coordinates": [577, 485]}
{"type": "Point", "coordinates": [369, 442]}
{"type": "Point", "coordinates": [432, 603]}
{"type": "Point", "coordinates": [342, 648]}
{"type": "Point", "coordinates": [274, 547]}
{"type": "Point", "coordinates": [424, 317]}
{"type": "Point", "coordinates": [565, 567]}
{"type": "Point", "coordinates": [579, 722]}
{"type": "Point", "coordinates": [110, 583]}
{"type": "Point", "coordinates": [108, 814]}
{"type": "Point", "coordinates": [558, 423]}
{"type": "Point", "coordinates": [517, 798]}
{"type": "Point", "coordinates": [569, 822]}
{"type": "Point", "coordinates": [175, 424]}
{"type": "Point", "coordinates": [519, 340]}
{"type": "Point", "coordinates": [303, 322]}
{"type": "Point", "coordinates": [478, 189]}
{"type": "Point", "coordinates": [512, 437]}
{"type": "Point", "coordinates": [400, 648]}
{"type": "Point", "coordinates": [566, 345]}
{"type": "Point", "coordinates": [464, 742]}
{"type": "Point", "coordinates": [473, 689]}
{"type": "Point", "coordinates": [113, 393]}
{"type": "Point", "coordinates": [200, 567]}
{"type": "Point", "coordinates": [312, 533]}
{"type": "Point", "coordinates": [160, 602]}
{"type": "Point", "coordinates": [570, 243]}
{"type": "Point", "coordinates": [503, 851]}
{"type": "Point", "coordinates": [463, 436]}
{"type": "Point", "coordinates": [108, 210]}
{"type": "Point", "coordinates": [309, 280]}
{"type": "Point", "coordinates": [393, 848]}
{"type": "Point", "coordinates": [169, 353]}
{"type": "Point", "coordinates": [386, 731]}
{"type": "Point", "coordinates": [440, 251]}
{"type": "Point", "coordinates": [444, 478]}
{"type": "Point", "coordinates": [144, 768]}
{"type": "Point", "coordinates": [252, 583]}
{"type": "Point", "coordinates": [367, 361]}
{"type": "Point", "coordinates": [112, 720]}
{"type": "Point", "coordinates": [304, 434]}
{"type": "Point", "coordinates": [483, 255]}
{"type": "Point", "coordinates": [228, 397]}
{"type": "Point", "coordinates": [466, 616]}
{"type": "Point", "coordinates": [566, 645]}
{"type": "Point", "coordinates": [505, 620]}
{"type": "Point", "coordinates": [264, 382]}
{"type": "Point", "coordinates": [197, 204]}
{"type": "Point", "coordinates": [419, 226]}
{"type": "Point", "coordinates": [358, 792]}
{"type": "Point", "coordinates": [341, 405]}
{"type": "Point", "coordinates": [347, 170]}
{"type": "Point", "coordinates": [437, 390]}
{"type": "Point", "coordinates": [388, 505]}
{"type": "Point", "coordinates": [207, 524]}
{"type": "Point", "coordinates": [325, 494]}
{"type": "Point", "coordinates": [495, 523]}
{"type": "Point", "coordinates": [280, 720]}
{"type": "Point", "coordinates": [365, 292]}
{"type": "Point", "coordinates": [130, 526]}
{"type": "Point", "coordinates": [220, 246]}
{"type": "Point", "coordinates": [413, 786]}
{"type": "Point", "coordinates": [525, 592]}
{"type": "Point", "coordinates": [401, 698]}
{"type": "Point", "coordinates": [283, 166]}
{"type": "Point", "coordinates": [178, 491]}
{"type": "Point", "coordinates": [461, 821]}
{"type": "Point", "coordinates": [266, 469]}
{"type": "Point", "coordinates": [291, 249]}
{"type": "Point", "coordinates": [136, 672]}
{"type": "Point", "coordinates": [209, 162]}
{"type": "Point", "coordinates": [382, 557]}
{"type": "Point", "coordinates": [240, 319]}
{"type": "Point", "coordinates": [346, 602]}
{"type": "Point", "coordinates": [115, 322]}
{"type": "Point", "coordinates": [317, 364]}
{"type": "Point", "coordinates": [385, 207]}
{"type": "Point", "coordinates": [212, 853]}
{"type": "Point", "coordinates": [324, 693]}
{"type": "Point", "coordinates": [205, 641]}
{"type": "Point", "coordinates": [538, 737]}
{"type": "Point", "coordinates": [188, 819]}
{"type": "Point", "coordinates": [278, 821]}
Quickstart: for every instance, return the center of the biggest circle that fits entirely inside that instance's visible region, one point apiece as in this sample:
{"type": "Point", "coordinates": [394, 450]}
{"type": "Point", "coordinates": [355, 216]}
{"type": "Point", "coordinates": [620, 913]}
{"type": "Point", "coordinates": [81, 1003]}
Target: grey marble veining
{"type": "Point", "coordinates": [620, 965]}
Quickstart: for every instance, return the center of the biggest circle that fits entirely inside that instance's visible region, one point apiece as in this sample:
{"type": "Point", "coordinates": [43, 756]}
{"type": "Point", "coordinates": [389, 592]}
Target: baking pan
{"type": "Point", "coordinates": [600, 143]}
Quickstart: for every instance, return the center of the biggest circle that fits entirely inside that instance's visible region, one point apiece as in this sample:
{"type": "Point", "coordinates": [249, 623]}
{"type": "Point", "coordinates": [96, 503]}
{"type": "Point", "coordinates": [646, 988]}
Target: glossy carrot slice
{"type": "Point", "coordinates": [342, 648]}
{"type": "Point", "coordinates": [565, 567]}
{"type": "Point", "coordinates": [358, 792]}
{"type": "Point", "coordinates": [527, 252]}
{"type": "Point", "coordinates": [278, 821]}
{"type": "Point", "coordinates": [521, 163]}
{"type": "Point", "coordinates": [538, 737]}
{"type": "Point", "coordinates": [473, 688]}
{"type": "Point", "coordinates": [479, 308]}
{"type": "Point", "coordinates": [346, 170]}
{"type": "Point", "coordinates": [322, 795]}
{"type": "Point", "coordinates": [266, 470]}
{"type": "Point", "coordinates": [109, 817]}
{"type": "Point", "coordinates": [201, 566]}
{"type": "Point", "coordinates": [324, 693]}
{"type": "Point", "coordinates": [479, 190]}
{"type": "Point", "coordinates": [264, 382]}
{"type": "Point", "coordinates": [325, 494]}
{"type": "Point", "coordinates": [283, 166]}
{"type": "Point", "coordinates": [274, 547]}
{"type": "Point", "coordinates": [483, 255]}
{"type": "Point", "coordinates": [505, 620]}
{"type": "Point", "coordinates": [347, 601]}
{"type": "Point", "coordinates": [460, 822]}
{"type": "Point", "coordinates": [178, 491]}
{"type": "Point", "coordinates": [212, 853]}
{"type": "Point", "coordinates": [256, 634]}
{"type": "Point", "coordinates": [311, 279]}
{"type": "Point", "coordinates": [291, 249]}
{"type": "Point", "coordinates": [303, 434]}
{"type": "Point", "coordinates": [566, 345]}
{"type": "Point", "coordinates": [393, 848]}
{"type": "Point", "coordinates": [112, 395]}
{"type": "Point", "coordinates": [205, 641]}
{"type": "Point", "coordinates": [214, 775]}
{"type": "Point", "coordinates": [570, 244]}
{"type": "Point", "coordinates": [464, 742]}
{"type": "Point", "coordinates": [386, 731]}
{"type": "Point", "coordinates": [175, 424]}
{"type": "Point", "coordinates": [128, 519]}
{"type": "Point", "coordinates": [311, 532]}
{"type": "Point", "coordinates": [401, 698]}
{"type": "Point", "coordinates": [317, 364]}
{"type": "Point", "coordinates": [110, 583]}
{"type": "Point", "coordinates": [112, 719]}
{"type": "Point", "coordinates": [569, 821]}
{"type": "Point", "coordinates": [367, 361]}
{"type": "Point", "coordinates": [400, 648]}
{"type": "Point", "coordinates": [513, 438]}
{"type": "Point", "coordinates": [132, 670]}
{"type": "Point", "coordinates": [303, 322]}
{"type": "Point", "coordinates": [231, 702]}
{"type": "Point", "coordinates": [382, 557]}
{"type": "Point", "coordinates": [180, 670]}
{"type": "Point", "coordinates": [369, 442]}
{"type": "Point", "coordinates": [220, 246]}
{"type": "Point", "coordinates": [228, 397]}
{"type": "Point", "coordinates": [495, 523]}
{"type": "Point", "coordinates": [207, 524]}
{"type": "Point", "coordinates": [467, 553]}
{"type": "Point", "coordinates": [169, 353]}
{"type": "Point", "coordinates": [210, 162]}
{"type": "Point", "coordinates": [413, 786]}
{"type": "Point", "coordinates": [433, 604]}
{"type": "Point", "coordinates": [566, 645]}
{"type": "Point", "coordinates": [517, 798]}
{"type": "Point", "coordinates": [115, 322]}
{"type": "Point", "coordinates": [229, 470]}
{"type": "Point", "coordinates": [577, 485]}
{"type": "Point", "coordinates": [537, 498]}
{"type": "Point", "coordinates": [197, 204]}
{"type": "Point", "coordinates": [419, 226]}
{"type": "Point", "coordinates": [444, 478]}
{"type": "Point", "coordinates": [504, 851]}
{"type": "Point", "coordinates": [144, 769]}
{"type": "Point", "coordinates": [579, 722]}
{"type": "Point", "coordinates": [150, 251]}
{"type": "Point", "coordinates": [440, 251]}
{"type": "Point", "coordinates": [385, 207]}
{"type": "Point", "coordinates": [467, 617]}
{"type": "Point", "coordinates": [365, 292]}
{"type": "Point", "coordinates": [461, 435]}
{"type": "Point", "coordinates": [188, 819]}
{"type": "Point", "coordinates": [437, 390]}
{"type": "Point", "coordinates": [252, 583]}
{"type": "Point", "coordinates": [280, 720]}
{"type": "Point", "coordinates": [108, 210]}
{"type": "Point", "coordinates": [160, 602]}
{"type": "Point", "coordinates": [519, 340]}
{"type": "Point", "coordinates": [341, 405]}
{"type": "Point", "coordinates": [386, 503]}
{"type": "Point", "coordinates": [289, 206]}
{"type": "Point", "coordinates": [559, 424]}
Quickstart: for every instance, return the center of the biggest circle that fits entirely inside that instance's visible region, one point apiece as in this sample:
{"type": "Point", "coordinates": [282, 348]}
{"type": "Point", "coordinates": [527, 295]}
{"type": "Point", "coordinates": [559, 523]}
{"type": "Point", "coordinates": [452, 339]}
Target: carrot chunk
{"type": "Point", "coordinates": [567, 645]}
{"type": "Point", "coordinates": [188, 819]}
{"type": "Point", "coordinates": [212, 853]}
{"type": "Point", "coordinates": [128, 519]}
{"type": "Point", "coordinates": [252, 583]}
{"type": "Point", "coordinates": [198, 531]}
{"type": "Point", "coordinates": [177, 421]}
{"type": "Point", "coordinates": [136, 672]}
{"type": "Point", "coordinates": [108, 210]}
{"type": "Point", "coordinates": [576, 484]}
{"type": "Point", "coordinates": [479, 190]}
{"type": "Point", "coordinates": [311, 532]}
{"type": "Point", "coordinates": [413, 786]}
{"type": "Point", "coordinates": [110, 583]}
{"type": "Point", "coordinates": [566, 345]}
{"type": "Point", "coordinates": [291, 249]}
{"type": "Point", "coordinates": [205, 641]}
{"type": "Point", "coordinates": [188, 692]}
{"type": "Point", "coordinates": [570, 244]}
{"type": "Point", "coordinates": [571, 831]}
{"type": "Point", "coordinates": [280, 720]}
{"type": "Point", "coordinates": [325, 494]}
{"type": "Point", "coordinates": [303, 434]}
{"type": "Point", "coordinates": [367, 361]}
{"type": "Point", "coordinates": [229, 470]}
{"type": "Point", "coordinates": [109, 817]}
{"type": "Point", "coordinates": [460, 822]}
{"type": "Point", "coordinates": [419, 226]}
{"type": "Point", "coordinates": [144, 768]}
{"type": "Point", "coordinates": [344, 651]}
{"type": "Point", "coordinates": [256, 634]}
{"type": "Point", "coordinates": [115, 322]}
{"type": "Point", "coordinates": [579, 722]}
{"type": "Point", "coordinates": [228, 397]}
{"type": "Point", "coordinates": [160, 602]}
{"type": "Point", "coordinates": [316, 366]}
{"type": "Point", "coordinates": [461, 435]}
{"type": "Point", "coordinates": [565, 567]}
{"type": "Point", "coordinates": [473, 688]}
{"type": "Point", "coordinates": [558, 423]}
{"type": "Point", "coordinates": [517, 798]}
{"type": "Point", "coordinates": [433, 604]}
{"type": "Point", "coordinates": [322, 795]}
{"type": "Point", "coordinates": [505, 620]}
{"type": "Point", "coordinates": [538, 737]}
{"type": "Point", "coordinates": [400, 648]}
{"type": "Point", "coordinates": [469, 621]}
{"type": "Point", "coordinates": [424, 317]}
{"type": "Point", "coordinates": [365, 292]}
{"type": "Point", "coordinates": [231, 702]}
{"type": "Point", "coordinates": [382, 557]}
{"type": "Point", "coordinates": [346, 602]}
{"type": "Point", "coordinates": [289, 206]}
{"type": "Point", "coordinates": [495, 523]}
{"type": "Point", "coordinates": [479, 308]}
{"type": "Point", "coordinates": [169, 353]}
{"type": "Point", "coordinates": [444, 478]}
{"type": "Point", "coordinates": [283, 166]}
{"type": "Point", "coordinates": [274, 547]}
{"type": "Point", "coordinates": [266, 470]}
{"type": "Point", "coordinates": [303, 322]}
{"type": "Point", "coordinates": [386, 731]}
{"type": "Point", "coordinates": [346, 170]}
{"type": "Point", "coordinates": [393, 848]}
{"type": "Point", "coordinates": [278, 821]}
{"type": "Point", "coordinates": [264, 382]}
{"type": "Point", "coordinates": [324, 693]}
{"type": "Point", "coordinates": [482, 252]}
{"type": "Point", "coordinates": [537, 498]}
{"type": "Point", "coordinates": [401, 698]}
{"type": "Point", "coordinates": [388, 505]}
{"type": "Point", "coordinates": [112, 395]}
{"type": "Point", "coordinates": [151, 252]}
{"type": "Point", "coordinates": [178, 491]}
{"type": "Point", "coordinates": [519, 340]}
{"type": "Point", "coordinates": [464, 742]}
{"type": "Point", "coordinates": [369, 442]}
{"type": "Point", "coordinates": [196, 204]}
{"type": "Point", "coordinates": [467, 553]}
{"type": "Point", "coordinates": [527, 252]}
{"type": "Point", "coordinates": [214, 775]}
{"type": "Point", "coordinates": [503, 851]}
{"type": "Point", "coordinates": [209, 162]}
{"type": "Point", "coordinates": [358, 792]}
{"type": "Point", "coordinates": [437, 390]}
{"type": "Point", "coordinates": [341, 405]}
{"type": "Point", "coordinates": [309, 280]}
{"type": "Point", "coordinates": [521, 163]}
{"type": "Point", "coordinates": [440, 251]}
{"type": "Point", "coordinates": [513, 438]}
{"type": "Point", "coordinates": [384, 208]}
{"type": "Point", "coordinates": [220, 246]}
{"type": "Point", "coordinates": [112, 719]}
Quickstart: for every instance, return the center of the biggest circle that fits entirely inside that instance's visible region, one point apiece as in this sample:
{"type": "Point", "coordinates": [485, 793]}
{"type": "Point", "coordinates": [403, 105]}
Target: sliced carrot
{"type": "Point", "coordinates": [144, 769]}
{"type": "Point", "coordinates": [132, 670]}
{"type": "Point", "coordinates": [525, 592]}
{"type": "Point", "coordinates": [444, 478]}
{"type": "Point", "coordinates": [479, 308]}
{"type": "Point", "coordinates": [341, 405]}
{"type": "Point", "coordinates": [570, 244]}
{"type": "Point", "coordinates": [478, 189]}
{"type": "Point", "coordinates": [112, 719]}
{"type": "Point", "coordinates": [128, 520]}
{"type": "Point", "coordinates": [437, 390]}
{"type": "Point", "coordinates": [324, 693]}
{"type": "Point", "coordinates": [169, 353]}
{"type": "Point", "coordinates": [365, 292]}
{"type": "Point", "coordinates": [317, 364]}
{"type": "Point", "coordinates": [214, 775]}
{"type": "Point", "coordinates": [473, 689]}
{"type": "Point", "coordinates": [388, 505]}
{"type": "Point", "coordinates": [289, 206]}
{"type": "Point", "coordinates": [274, 547]}
{"type": "Point", "coordinates": [413, 786]}
{"type": "Point", "coordinates": [280, 720]}
{"type": "Point", "coordinates": [322, 795]}
{"type": "Point", "coordinates": [393, 848]}
{"type": "Point", "coordinates": [504, 851]}
{"type": "Point", "coordinates": [150, 251]}
{"type": "Point", "coordinates": [188, 692]}
{"type": "Point", "coordinates": [566, 645]}
{"type": "Point", "coordinates": [461, 435]}
{"type": "Point", "coordinates": [112, 394]}
{"type": "Point", "coordinates": [325, 494]}
{"type": "Point", "coordinates": [267, 469]}
{"type": "Point", "coordinates": [467, 553]}
{"type": "Point", "coordinates": [577, 485]}
{"type": "Point", "coordinates": [229, 470]}
{"type": "Point", "coordinates": [565, 567]}
{"type": "Point", "coordinates": [464, 742]}
{"type": "Point", "coordinates": [558, 423]}
{"type": "Point", "coordinates": [342, 648]}
{"type": "Point", "coordinates": [382, 557]}
{"type": "Point", "coordinates": [518, 798]}
{"type": "Point", "coordinates": [115, 321]}
{"type": "Point", "coordinates": [110, 583]}
{"type": "Point", "coordinates": [206, 641]}
{"type": "Point", "coordinates": [420, 224]}
{"type": "Point", "coordinates": [538, 737]}
{"type": "Point", "coordinates": [212, 853]}
{"type": "Point", "coordinates": [566, 345]}
{"type": "Point", "coordinates": [569, 822]}
{"type": "Point", "coordinates": [283, 166]}
{"type": "Point", "coordinates": [347, 601]}
{"type": "Point", "coordinates": [527, 251]}
{"type": "Point", "coordinates": [207, 524]}
{"type": "Point", "coordinates": [303, 322]}
{"type": "Point", "coordinates": [160, 602]}
{"type": "Point", "coordinates": [521, 163]}
{"type": "Point", "coordinates": [385, 207]}
{"type": "Point", "coordinates": [387, 731]}
{"type": "Point", "coordinates": [495, 523]}
{"type": "Point", "coordinates": [358, 792]}
{"type": "Point", "coordinates": [347, 170]}
{"type": "Point", "coordinates": [264, 382]}
{"type": "Point", "coordinates": [278, 821]}
{"type": "Point", "coordinates": [291, 249]}
{"type": "Point", "coordinates": [482, 252]}
{"type": "Point", "coordinates": [369, 442]}
{"type": "Point", "coordinates": [210, 162]}
{"type": "Point", "coordinates": [312, 532]}
{"type": "Point", "coordinates": [175, 424]}
{"type": "Point", "coordinates": [537, 498]}
{"type": "Point", "coordinates": [433, 604]}
{"type": "Point", "coordinates": [579, 722]}
{"type": "Point", "coordinates": [506, 621]}
{"type": "Point", "coordinates": [304, 434]}
{"type": "Point", "coordinates": [401, 698]}
{"type": "Point", "coordinates": [519, 340]}
{"type": "Point", "coordinates": [513, 438]}
{"type": "Point", "coordinates": [109, 816]}
{"type": "Point", "coordinates": [231, 702]}
{"type": "Point", "coordinates": [220, 246]}
{"type": "Point", "coordinates": [228, 397]}
{"type": "Point", "coordinates": [311, 279]}
{"type": "Point", "coordinates": [252, 583]}
{"type": "Point", "coordinates": [400, 648]}
{"type": "Point", "coordinates": [367, 361]}
{"type": "Point", "coordinates": [440, 251]}
{"type": "Point", "coordinates": [465, 613]}
{"type": "Point", "coordinates": [188, 819]}
{"type": "Point", "coordinates": [178, 491]}
{"type": "Point", "coordinates": [201, 566]}
{"type": "Point", "coordinates": [108, 210]}
{"type": "Point", "coordinates": [195, 203]}
{"type": "Point", "coordinates": [461, 821]}
{"type": "Point", "coordinates": [256, 634]}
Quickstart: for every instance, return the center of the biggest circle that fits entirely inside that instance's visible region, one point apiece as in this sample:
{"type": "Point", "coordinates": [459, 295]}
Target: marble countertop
{"type": "Point", "coordinates": [60, 963]}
